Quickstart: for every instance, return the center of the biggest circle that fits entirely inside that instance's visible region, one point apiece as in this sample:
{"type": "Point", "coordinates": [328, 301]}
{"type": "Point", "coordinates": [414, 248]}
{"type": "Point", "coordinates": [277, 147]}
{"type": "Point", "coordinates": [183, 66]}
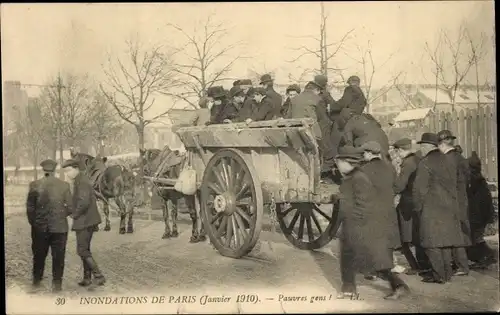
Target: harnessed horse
{"type": "Point", "coordinates": [169, 164]}
{"type": "Point", "coordinates": [111, 182]}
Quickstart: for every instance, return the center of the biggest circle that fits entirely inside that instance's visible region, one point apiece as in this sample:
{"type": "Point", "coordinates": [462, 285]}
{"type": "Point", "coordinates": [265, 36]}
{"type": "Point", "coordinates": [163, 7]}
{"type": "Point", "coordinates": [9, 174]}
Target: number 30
{"type": "Point", "coordinates": [60, 301]}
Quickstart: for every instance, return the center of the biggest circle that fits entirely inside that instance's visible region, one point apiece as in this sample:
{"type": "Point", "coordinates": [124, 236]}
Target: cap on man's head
{"type": "Point", "coordinates": [321, 80]}
{"type": "Point", "coordinates": [428, 137]}
{"type": "Point", "coordinates": [350, 153]}
{"type": "Point", "coordinates": [237, 83]}
{"type": "Point", "coordinates": [259, 90]}
{"type": "Point", "coordinates": [245, 82]}
{"type": "Point", "coordinates": [445, 135]}
{"type": "Point", "coordinates": [266, 78]}
{"type": "Point", "coordinates": [216, 92]}
{"type": "Point", "coordinates": [236, 91]}
{"type": "Point", "coordinates": [71, 163]}
{"type": "Point", "coordinates": [402, 143]}
{"type": "Point", "coordinates": [293, 87]}
{"type": "Point", "coordinates": [48, 165]}
{"type": "Point", "coordinates": [353, 78]}
{"type": "Point", "coordinates": [372, 146]}
{"type": "Point", "coordinates": [312, 84]}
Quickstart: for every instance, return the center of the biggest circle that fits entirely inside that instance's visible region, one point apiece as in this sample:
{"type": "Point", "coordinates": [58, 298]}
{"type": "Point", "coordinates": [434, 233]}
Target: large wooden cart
{"type": "Point", "coordinates": [242, 168]}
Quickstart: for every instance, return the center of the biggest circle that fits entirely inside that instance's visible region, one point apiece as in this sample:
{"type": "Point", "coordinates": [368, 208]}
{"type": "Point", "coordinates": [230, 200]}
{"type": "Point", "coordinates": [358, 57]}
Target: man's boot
{"type": "Point", "coordinates": [56, 286]}
{"type": "Point", "coordinates": [398, 286]}
{"type": "Point", "coordinates": [87, 275]}
{"type": "Point", "coordinates": [98, 277]}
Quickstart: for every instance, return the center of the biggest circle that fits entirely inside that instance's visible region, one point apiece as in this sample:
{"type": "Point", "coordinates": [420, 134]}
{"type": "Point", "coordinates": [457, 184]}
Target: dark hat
{"type": "Point", "coordinates": [371, 146]}
{"type": "Point", "coordinates": [246, 82]}
{"type": "Point", "coordinates": [354, 78]}
{"type": "Point", "coordinates": [350, 153]}
{"type": "Point", "coordinates": [259, 90]}
{"type": "Point", "coordinates": [445, 134]}
{"type": "Point", "coordinates": [428, 137]}
{"type": "Point", "coordinates": [236, 91]}
{"type": "Point", "coordinates": [251, 91]}
{"type": "Point", "coordinates": [402, 143]}
{"type": "Point", "coordinates": [314, 84]}
{"type": "Point", "coordinates": [293, 87]}
{"type": "Point", "coordinates": [321, 80]}
{"type": "Point", "coordinates": [48, 165]}
{"type": "Point", "coordinates": [237, 82]}
{"type": "Point", "coordinates": [265, 78]}
{"type": "Point", "coordinates": [216, 92]}
{"type": "Point", "coordinates": [71, 163]}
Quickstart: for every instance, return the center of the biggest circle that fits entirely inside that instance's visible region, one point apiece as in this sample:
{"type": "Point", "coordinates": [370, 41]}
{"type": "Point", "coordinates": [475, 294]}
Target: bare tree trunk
{"type": "Point", "coordinates": [35, 164]}
{"type": "Point", "coordinates": [140, 134]}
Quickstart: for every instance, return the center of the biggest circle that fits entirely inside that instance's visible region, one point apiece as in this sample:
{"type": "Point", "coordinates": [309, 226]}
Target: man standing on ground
{"type": "Point", "coordinates": [353, 96]}
{"type": "Point", "coordinates": [48, 206]}
{"type": "Point", "coordinates": [86, 219]}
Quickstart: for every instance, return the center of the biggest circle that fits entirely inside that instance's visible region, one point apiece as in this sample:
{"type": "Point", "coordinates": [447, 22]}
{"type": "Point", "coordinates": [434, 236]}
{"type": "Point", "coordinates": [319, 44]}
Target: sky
{"type": "Point", "coordinates": [38, 40]}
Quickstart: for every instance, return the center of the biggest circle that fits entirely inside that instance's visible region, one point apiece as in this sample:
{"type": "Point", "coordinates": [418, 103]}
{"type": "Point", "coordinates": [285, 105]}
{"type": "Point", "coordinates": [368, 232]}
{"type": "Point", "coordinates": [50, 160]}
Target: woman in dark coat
{"type": "Point", "coordinates": [366, 239]}
{"type": "Point", "coordinates": [481, 213]}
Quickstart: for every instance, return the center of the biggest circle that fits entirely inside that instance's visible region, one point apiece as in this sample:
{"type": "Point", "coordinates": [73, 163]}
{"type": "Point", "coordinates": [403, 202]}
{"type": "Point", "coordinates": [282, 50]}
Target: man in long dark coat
{"type": "Point", "coordinates": [276, 99]}
{"type": "Point", "coordinates": [461, 166]}
{"type": "Point", "coordinates": [262, 108]}
{"type": "Point", "coordinates": [353, 96]}
{"type": "Point", "coordinates": [434, 197]}
{"type": "Point", "coordinates": [358, 129]}
{"type": "Point", "coordinates": [369, 224]}
{"type": "Point", "coordinates": [408, 222]}
{"type": "Point", "coordinates": [48, 206]}
{"type": "Point", "coordinates": [481, 213]}
{"type": "Point", "coordinates": [222, 108]}
{"type": "Point", "coordinates": [86, 219]}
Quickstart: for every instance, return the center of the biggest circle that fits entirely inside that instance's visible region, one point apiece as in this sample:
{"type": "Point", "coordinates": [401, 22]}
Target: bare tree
{"type": "Point", "coordinates": [255, 73]}
{"type": "Point", "coordinates": [208, 60]}
{"type": "Point", "coordinates": [452, 64]}
{"type": "Point", "coordinates": [324, 51]}
{"type": "Point", "coordinates": [132, 82]}
{"type": "Point", "coordinates": [32, 132]}
{"type": "Point", "coordinates": [369, 69]}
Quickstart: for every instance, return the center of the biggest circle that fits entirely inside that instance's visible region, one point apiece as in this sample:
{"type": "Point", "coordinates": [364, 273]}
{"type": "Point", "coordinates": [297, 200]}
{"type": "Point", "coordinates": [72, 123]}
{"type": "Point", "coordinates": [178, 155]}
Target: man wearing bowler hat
{"type": "Point", "coordinates": [434, 197]}
{"type": "Point", "coordinates": [461, 178]}
{"type": "Point", "coordinates": [86, 219]}
{"type": "Point", "coordinates": [353, 96]}
{"type": "Point", "coordinates": [408, 223]}
{"type": "Point", "coordinates": [48, 206]}
{"type": "Point", "coordinates": [276, 100]}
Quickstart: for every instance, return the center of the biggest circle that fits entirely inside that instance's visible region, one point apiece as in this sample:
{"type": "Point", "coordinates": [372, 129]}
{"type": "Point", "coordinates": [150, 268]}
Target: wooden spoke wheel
{"type": "Point", "coordinates": [307, 226]}
{"type": "Point", "coordinates": [231, 203]}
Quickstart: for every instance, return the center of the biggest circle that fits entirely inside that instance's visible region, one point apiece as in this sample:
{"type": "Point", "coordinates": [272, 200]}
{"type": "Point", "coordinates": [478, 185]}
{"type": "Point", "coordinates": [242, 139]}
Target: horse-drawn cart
{"type": "Point", "coordinates": [241, 168]}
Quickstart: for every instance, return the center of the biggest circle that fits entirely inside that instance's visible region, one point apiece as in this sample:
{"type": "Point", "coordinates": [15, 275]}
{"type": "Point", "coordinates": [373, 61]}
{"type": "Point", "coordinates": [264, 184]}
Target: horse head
{"type": "Point", "coordinates": [149, 160]}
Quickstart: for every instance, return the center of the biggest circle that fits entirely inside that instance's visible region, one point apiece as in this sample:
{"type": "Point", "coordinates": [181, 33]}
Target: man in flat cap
{"type": "Point", "coordinates": [353, 96]}
{"type": "Point", "coordinates": [305, 105]}
{"type": "Point", "coordinates": [262, 107]}
{"type": "Point", "coordinates": [276, 100]}
{"type": "Point", "coordinates": [434, 198]}
{"type": "Point", "coordinates": [222, 108]}
{"type": "Point", "coordinates": [408, 223]}
{"type": "Point", "coordinates": [48, 205]}
{"type": "Point", "coordinates": [235, 104]}
{"type": "Point", "coordinates": [291, 91]}
{"type": "Point", "coordinates": [86, 219]}
{"type": "Point", "coordinates": [461, 178]}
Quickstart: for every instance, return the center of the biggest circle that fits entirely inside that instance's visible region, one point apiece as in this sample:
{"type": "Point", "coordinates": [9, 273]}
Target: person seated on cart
{"type": "Point", "coordinates": [237, 96]}
{"type": "Point", "coordinates": [358, 129]}
{"type": "Point", "coordinates": [291, 91]}
{"type": "Point", "coordinates": [261, 109]}
{"type": "Point", "coordinates": [222, 107]}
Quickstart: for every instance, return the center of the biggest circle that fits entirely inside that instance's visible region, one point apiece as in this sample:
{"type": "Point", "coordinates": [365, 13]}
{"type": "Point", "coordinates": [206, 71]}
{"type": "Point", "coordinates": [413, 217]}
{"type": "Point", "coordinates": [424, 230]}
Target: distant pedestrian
{"type": "Point", "coordinates": [48, 206]}
{"type": "Point", "coordinates": [86, 219]}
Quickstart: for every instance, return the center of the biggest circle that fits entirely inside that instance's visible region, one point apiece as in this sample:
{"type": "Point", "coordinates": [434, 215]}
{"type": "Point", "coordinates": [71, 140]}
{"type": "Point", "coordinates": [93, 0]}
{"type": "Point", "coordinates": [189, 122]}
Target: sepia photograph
{"type": "Point", "coordinates": [250, 158]}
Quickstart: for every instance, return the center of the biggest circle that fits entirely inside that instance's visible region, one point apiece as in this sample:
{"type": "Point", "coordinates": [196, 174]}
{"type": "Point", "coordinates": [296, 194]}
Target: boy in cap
{"type": "Point", "coordinates": [367, 224]}
{"type": "Point", "coordinates": [237, 96]}
{"type": "Point", "coordinates": [48, 205]}
{"type": "Point", "coordinates": [434, 196]}
{"type": "Point", "coordinates": [263, 108]}
{"type": "Point", "coordinates": [291, 91]}
{"type": "Point", "coordinates": [408, 223]}
{"type": "Point", "coordinates": [353, 96]}
{"type": "Point", "coordinates": [86, 219]}
{"type": "Point", "coordinates": [276, 100]}
{"type": "Point", "coordinates": [461, 167]}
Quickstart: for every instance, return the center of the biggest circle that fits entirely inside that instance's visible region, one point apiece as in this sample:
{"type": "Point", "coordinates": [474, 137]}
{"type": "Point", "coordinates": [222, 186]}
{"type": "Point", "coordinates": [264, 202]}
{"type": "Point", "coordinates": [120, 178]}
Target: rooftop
{"type": "Point", "coordinates": [413, 114]}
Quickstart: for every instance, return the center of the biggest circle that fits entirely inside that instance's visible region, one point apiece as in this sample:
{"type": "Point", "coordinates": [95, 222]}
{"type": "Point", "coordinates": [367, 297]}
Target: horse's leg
{"type": "Point", "coordinates": [166, 203]}
{"type": "Point", "coordinates": [130, 212]}
{"type": "Point", "coordinates": [105, 208]}
{"type": "Point", "coordinates": [123, 213]}
{"type": "Point", "coordinates": [173, 214]}
{"type": "Point", "coordinates": [192, 213]}
{"type": "Point", "coordinates": [202, 236]}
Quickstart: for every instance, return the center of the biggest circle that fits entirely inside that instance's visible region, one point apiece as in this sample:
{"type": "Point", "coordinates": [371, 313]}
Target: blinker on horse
{"type": "Point", "coordinates": [111, 182]}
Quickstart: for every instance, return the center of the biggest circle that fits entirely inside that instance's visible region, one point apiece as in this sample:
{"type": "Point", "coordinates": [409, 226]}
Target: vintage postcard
{"type": "Point", "coordinates": [232, 157]}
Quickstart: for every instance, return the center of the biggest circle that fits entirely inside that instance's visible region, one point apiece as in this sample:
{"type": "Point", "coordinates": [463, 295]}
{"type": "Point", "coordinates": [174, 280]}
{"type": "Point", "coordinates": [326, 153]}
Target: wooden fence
{"type": "Point", "coordinates": [475, 129]}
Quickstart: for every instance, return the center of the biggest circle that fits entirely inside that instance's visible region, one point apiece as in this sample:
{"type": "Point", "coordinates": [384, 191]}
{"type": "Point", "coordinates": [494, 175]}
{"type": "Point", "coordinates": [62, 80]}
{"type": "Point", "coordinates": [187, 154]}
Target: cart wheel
{"type": "Point", "coordinates": [231, 203]}
{"type": "Point", "coordinates": [293, 218]}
